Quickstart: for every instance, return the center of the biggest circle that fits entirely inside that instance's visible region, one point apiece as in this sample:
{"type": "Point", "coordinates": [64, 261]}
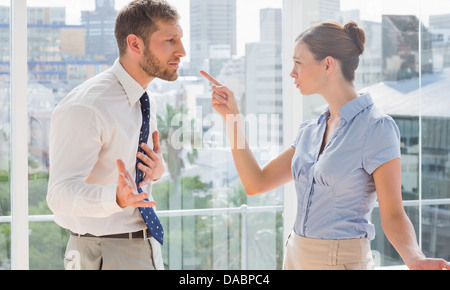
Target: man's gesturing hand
{"type": "Point", "coordinates": [126, 193]}
{"type": "Point", "coordinates": [153, 159]}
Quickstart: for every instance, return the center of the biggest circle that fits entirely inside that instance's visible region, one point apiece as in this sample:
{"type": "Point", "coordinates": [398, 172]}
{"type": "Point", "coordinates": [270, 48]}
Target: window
{"type": "Point", "coordinates": [406, 70]}
{"type": "Point", "coordinates": [210, 222]}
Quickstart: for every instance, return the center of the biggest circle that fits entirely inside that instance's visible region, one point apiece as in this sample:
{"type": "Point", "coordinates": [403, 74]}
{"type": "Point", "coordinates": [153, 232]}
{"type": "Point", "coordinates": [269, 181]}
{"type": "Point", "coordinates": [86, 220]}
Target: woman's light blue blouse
{"type": "Point", "coordinates": [336, 191]}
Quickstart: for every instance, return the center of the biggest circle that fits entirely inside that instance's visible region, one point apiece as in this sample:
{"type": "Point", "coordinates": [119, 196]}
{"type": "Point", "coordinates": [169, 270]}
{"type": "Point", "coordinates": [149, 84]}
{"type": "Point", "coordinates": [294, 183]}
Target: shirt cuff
{"type": "Point", "coordinates": [108, 199]}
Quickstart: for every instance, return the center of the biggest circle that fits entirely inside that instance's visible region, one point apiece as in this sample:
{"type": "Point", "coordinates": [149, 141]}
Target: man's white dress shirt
{"type": "Point", "coordinates": [96, 124]}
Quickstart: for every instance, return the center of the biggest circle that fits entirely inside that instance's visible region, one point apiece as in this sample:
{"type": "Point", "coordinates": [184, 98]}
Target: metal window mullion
{"type": "Point", "coordinates": [419, 234]}
{"type": "Point", "coordinates": [292, 105]}
{"type": "Point", "coordinates": [19, 136]}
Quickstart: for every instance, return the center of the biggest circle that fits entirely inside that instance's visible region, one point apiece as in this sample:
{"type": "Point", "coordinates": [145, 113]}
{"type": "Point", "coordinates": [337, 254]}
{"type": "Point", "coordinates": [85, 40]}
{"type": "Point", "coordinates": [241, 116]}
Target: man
{"type": "Point", "coordinates": [95, 135]}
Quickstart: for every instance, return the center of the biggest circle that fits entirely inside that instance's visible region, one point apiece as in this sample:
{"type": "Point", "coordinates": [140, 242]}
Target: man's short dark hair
{"type": "Point", "coordinates": [140, 17]}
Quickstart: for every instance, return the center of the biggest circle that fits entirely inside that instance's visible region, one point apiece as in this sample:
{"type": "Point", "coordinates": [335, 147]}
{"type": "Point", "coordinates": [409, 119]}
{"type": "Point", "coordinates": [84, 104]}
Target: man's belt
{"type": "Point", "coordinates": [144, 234]}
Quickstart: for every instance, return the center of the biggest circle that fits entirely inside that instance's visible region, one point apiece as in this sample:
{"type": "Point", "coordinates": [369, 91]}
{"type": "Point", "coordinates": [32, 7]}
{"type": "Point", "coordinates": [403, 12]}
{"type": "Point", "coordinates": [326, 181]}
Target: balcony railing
{"type": "Point", "coordinates": [243, 210]}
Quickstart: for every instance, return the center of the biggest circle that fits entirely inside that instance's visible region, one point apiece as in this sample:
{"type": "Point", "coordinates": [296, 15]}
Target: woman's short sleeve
{"type": "Point", "coordinates": [382, 144]}
{"type": "Point", "coordinates": [299, 133]}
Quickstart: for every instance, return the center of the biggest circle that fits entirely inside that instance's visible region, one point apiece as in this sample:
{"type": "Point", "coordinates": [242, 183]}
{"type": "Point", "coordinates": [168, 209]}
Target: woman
{"type": "Point", "coordinates": [340, 163]}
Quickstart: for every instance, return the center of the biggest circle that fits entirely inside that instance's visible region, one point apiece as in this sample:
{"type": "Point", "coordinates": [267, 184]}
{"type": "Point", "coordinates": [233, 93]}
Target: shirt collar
{"type": "Point", "coordinates": [351, 109]}
{"type": "Point", "coordinates": [133, 89]}
{"type": "Point", "coordinates": [356, 106]}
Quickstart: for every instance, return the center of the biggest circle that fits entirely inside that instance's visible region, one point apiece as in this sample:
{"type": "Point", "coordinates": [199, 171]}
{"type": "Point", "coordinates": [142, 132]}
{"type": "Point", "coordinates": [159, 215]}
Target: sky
{"type": "Point", "coordinates": [247, 15]}
{"type": "Point", "coordinates": [370, 9]}
{"type": "Point", "coordinates": [248, 12]}
{"type": "Point", "coordinates": [373, 9]}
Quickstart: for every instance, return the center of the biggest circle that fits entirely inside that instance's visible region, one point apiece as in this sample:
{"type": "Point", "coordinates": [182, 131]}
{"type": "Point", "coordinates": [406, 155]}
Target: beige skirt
{"type": "Point", "coordinates": [313, 254]}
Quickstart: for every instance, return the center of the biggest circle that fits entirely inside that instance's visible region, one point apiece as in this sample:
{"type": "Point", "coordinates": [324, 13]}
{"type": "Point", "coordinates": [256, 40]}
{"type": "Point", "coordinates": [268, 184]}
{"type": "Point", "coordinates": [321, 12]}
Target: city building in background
{"type": "Point", "coordinates": [402, 38]}
{"type": "Point", "coordinates": [263, 82]}
{"type": "Point", "coordinates": [440, 29]}
{"type": "Point", "coordinates": [213, 34]}
{"type": "Point", "coordinates": [57, 62]}
{"type": "Point", "coordinates": [314, 12]}
{"type": "Point", "coordinates": [99, 28]}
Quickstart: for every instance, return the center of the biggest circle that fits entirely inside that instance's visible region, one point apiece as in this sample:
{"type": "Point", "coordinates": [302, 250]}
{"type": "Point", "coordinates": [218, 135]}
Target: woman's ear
{"type": "Point", "coordinates": [330, 64]}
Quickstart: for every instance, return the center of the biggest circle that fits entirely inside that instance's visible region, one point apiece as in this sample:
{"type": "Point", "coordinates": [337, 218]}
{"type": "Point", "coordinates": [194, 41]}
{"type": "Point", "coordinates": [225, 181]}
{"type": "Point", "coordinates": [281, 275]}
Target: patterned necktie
{"type": "Point", "coordinates": [149, 215]}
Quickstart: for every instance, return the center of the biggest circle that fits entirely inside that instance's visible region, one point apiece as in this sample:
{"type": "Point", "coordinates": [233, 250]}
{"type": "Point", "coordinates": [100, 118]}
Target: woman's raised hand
{"type": "Point", "coordinates": [223, 100]}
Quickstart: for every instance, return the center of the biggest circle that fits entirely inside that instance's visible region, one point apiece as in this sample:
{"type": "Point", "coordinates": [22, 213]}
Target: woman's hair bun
{"type": "Point", "coordinates": [342, 42]}
{"type": "Point", "coordinates": [357, 34]}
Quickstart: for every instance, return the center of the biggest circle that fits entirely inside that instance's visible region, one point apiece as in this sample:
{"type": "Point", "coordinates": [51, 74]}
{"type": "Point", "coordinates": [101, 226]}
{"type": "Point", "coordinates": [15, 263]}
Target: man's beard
{"type": "Point", "coordinates": [154, 68]}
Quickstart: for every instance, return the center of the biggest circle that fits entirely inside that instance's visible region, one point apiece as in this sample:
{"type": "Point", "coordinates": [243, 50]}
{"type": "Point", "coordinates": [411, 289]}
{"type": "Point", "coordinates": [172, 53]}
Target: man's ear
{"type": "Point", "coordinates": [135, 44]}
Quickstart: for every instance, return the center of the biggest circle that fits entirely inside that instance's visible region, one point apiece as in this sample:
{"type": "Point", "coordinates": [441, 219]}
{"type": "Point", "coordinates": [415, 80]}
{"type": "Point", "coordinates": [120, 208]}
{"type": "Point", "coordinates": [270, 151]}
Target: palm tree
{"type": "Point", "coordinates": [173, 156]}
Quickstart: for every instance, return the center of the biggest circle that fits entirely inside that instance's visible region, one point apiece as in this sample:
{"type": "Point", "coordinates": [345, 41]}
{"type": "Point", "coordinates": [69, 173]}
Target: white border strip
{"type": "Point", "coordinates": [292, 102]}
{"type": "Point", "coordinates": [19, 136]}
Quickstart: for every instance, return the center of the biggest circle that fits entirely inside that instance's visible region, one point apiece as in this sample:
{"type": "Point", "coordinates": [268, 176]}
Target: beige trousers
{"type": "Point", "coordinates": [86, 253]}
{"type": "Point", "coordinates": [313, 254]}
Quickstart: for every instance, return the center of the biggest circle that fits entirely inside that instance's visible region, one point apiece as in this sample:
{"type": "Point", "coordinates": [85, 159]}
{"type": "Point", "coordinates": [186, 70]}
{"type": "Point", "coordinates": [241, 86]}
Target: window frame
{"type": "Point", "coordinates": [292, 105]}
{"type": "Point", "coordinates": [19, 136]}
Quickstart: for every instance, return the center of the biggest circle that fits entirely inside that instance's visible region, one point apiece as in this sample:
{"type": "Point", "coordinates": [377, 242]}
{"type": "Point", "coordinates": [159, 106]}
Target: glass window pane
{"type": "Point", "coordinates": [5, 127]}
{"type": "Point", "coordinates": [58, 60]}
{"type": "Point", "coordinates": [435, 128]}
{"type": "Point", "coordinates": [47, 245]}
{"type": "Point", "coordinates": [64, 50]}
{"type": "Point", "coordinates": [60, 57]}
{"type": "Point", "coordinates": [404, 69]}
{"type": "Point", "coordinates": [203, 174]}
{"type": "Point", "coordinates": [390, 71]}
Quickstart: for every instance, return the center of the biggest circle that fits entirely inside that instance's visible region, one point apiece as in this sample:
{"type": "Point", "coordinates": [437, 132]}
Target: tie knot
{"type": "Point", "coordinates": [144, 100]}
